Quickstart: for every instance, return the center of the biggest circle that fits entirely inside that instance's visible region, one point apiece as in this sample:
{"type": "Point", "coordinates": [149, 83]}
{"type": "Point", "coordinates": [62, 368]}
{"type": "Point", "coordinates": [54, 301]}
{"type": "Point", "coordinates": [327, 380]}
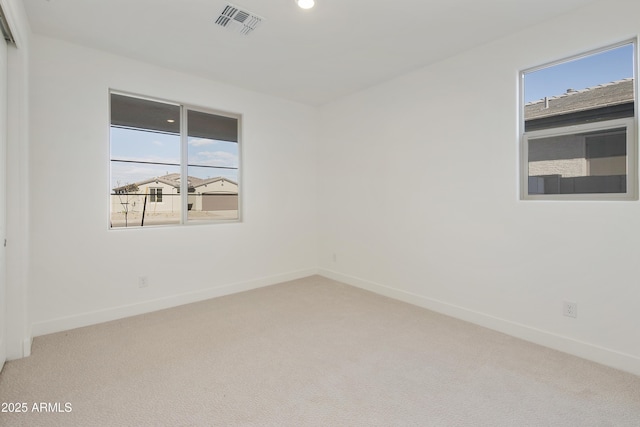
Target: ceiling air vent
{"type": "Point", "coordinates": [240, 21]}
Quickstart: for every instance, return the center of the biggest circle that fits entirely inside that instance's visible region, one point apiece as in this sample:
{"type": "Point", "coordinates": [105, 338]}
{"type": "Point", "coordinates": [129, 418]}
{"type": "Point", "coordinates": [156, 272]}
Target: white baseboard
{"type": "Point", "coordinates": [595, 353]}
{"type": "Point", "coordinates": [106, 315]}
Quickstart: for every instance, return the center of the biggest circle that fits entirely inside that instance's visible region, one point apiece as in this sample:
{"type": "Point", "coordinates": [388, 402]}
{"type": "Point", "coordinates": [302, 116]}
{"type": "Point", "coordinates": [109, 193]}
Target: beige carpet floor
{"type": "Point", "coordinates": [311, 352]}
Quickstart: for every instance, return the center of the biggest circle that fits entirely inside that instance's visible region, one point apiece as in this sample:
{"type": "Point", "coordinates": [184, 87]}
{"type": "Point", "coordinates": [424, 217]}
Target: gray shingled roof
{"type": "Point", "coordinates": [605, 95]}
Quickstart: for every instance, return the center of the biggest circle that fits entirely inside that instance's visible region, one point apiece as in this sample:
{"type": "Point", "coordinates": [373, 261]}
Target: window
{"type": "Point", "coordinates": [172, 163]}
{"type": "Point", "coordinates": [579, 137]}
{"type": "Point", "coordinates": [156, 195]}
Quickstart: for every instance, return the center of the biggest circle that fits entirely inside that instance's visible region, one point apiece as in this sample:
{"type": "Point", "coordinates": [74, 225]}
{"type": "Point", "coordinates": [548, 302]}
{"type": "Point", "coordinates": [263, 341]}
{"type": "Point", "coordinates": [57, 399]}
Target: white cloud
{"type": "Point", "coordinates": [216, 158]}
{"type": "Point", "coordinates": [129, 173]}
{"type": "Point", "coordinates": [202, 142]}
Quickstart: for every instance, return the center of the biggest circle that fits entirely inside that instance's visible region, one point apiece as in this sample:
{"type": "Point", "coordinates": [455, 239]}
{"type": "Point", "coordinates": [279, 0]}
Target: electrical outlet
{"type": "Point", "coordinates": [143, 281]}
{"type": "Point", "coordinates": [570, 309]}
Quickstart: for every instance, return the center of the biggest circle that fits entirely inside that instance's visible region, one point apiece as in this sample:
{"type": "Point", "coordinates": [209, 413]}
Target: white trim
{"type": "Point", "coordinates": [184, 159]}
{"type": "Point", "coordinates": [580, 55]}
{"type": "Point", "coordinates": [114, 313]}
{"type": "Point", "coordinates": [595, 353]}
{"type": "Point", "coordinates": [143, 97]}
{"type": "Point", "coordinates": [184, 165]}
{"type": "Point", "coordinates": [632, 143]}
{"type": "Point", "coordinates": [26, 346]}
{"type": "Point", "coordinates": [581, 128]}
{"type": "Point", "coordinates": [18, 260]}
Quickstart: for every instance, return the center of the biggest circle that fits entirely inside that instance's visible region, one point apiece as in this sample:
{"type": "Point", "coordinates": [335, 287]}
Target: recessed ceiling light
{"type": "Point", "coordinates": [305, 4]}
{"type": "Point", "coordinates": [170, 120]}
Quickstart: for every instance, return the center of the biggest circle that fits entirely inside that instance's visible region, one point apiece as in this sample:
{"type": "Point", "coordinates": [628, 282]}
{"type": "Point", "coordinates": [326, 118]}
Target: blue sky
{"type": "Point", "coordinates": [143, 146]}
{"type": "Point", "coordinates": [604, 67]}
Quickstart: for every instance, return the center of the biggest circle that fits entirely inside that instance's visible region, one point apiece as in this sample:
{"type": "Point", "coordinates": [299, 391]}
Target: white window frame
{"type": "Point", "coordinates": [631, 124]}
{"type": "Point", "coordinates": [184, 185]}
{"type": "Point", "coordinates": [631, 159]}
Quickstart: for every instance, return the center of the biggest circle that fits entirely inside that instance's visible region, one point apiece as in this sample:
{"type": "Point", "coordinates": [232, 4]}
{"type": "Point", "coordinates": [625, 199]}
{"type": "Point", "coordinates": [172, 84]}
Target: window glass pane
{"type": "Point", "coordinates": [585, 163]}
{"type": "Point", "coordinates": [145, 162]}
{"type": "Point", "coordinates": [212, 126]}
{"type": "Point", "coordinates": [213, 166]}
{"type": "Point", "coordinates": [161, 205]}
{"type": "Point", "coordinates": [214, 196]}
{"type": "Point", "coordinates": [136, 113]}
{"type": "Point", "coordinates": [592, 88]}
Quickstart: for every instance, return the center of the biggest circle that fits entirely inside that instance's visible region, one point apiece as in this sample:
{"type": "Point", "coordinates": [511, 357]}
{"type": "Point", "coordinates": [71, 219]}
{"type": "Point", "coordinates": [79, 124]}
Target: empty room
{"type": "Point", "coordinates": [298, 212]}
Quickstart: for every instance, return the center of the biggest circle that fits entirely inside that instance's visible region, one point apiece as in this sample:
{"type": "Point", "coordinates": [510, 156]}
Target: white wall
{"type": "Point", "coordinates": [81, 272]}
{"type": "Point", "coordinates": [455, 237]}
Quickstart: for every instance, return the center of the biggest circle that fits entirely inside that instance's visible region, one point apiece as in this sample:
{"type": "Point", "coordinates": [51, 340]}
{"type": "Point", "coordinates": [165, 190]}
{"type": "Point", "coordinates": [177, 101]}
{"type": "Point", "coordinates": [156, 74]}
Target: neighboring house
{"type": "Point", "coordinates": [162, 195]}
{"type": "Point", "coordinates": [214, 194]}
{"type": "Point", "coordinates": [592, 161]}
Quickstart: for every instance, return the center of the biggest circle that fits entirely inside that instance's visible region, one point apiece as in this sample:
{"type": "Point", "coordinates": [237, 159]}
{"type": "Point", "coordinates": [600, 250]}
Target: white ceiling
{"type": "Point", "coordinates": [315, 56]}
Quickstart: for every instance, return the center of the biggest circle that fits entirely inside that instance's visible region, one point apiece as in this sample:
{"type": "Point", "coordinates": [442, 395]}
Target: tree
{"type": "Point", "coordinates": [125, 191]}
